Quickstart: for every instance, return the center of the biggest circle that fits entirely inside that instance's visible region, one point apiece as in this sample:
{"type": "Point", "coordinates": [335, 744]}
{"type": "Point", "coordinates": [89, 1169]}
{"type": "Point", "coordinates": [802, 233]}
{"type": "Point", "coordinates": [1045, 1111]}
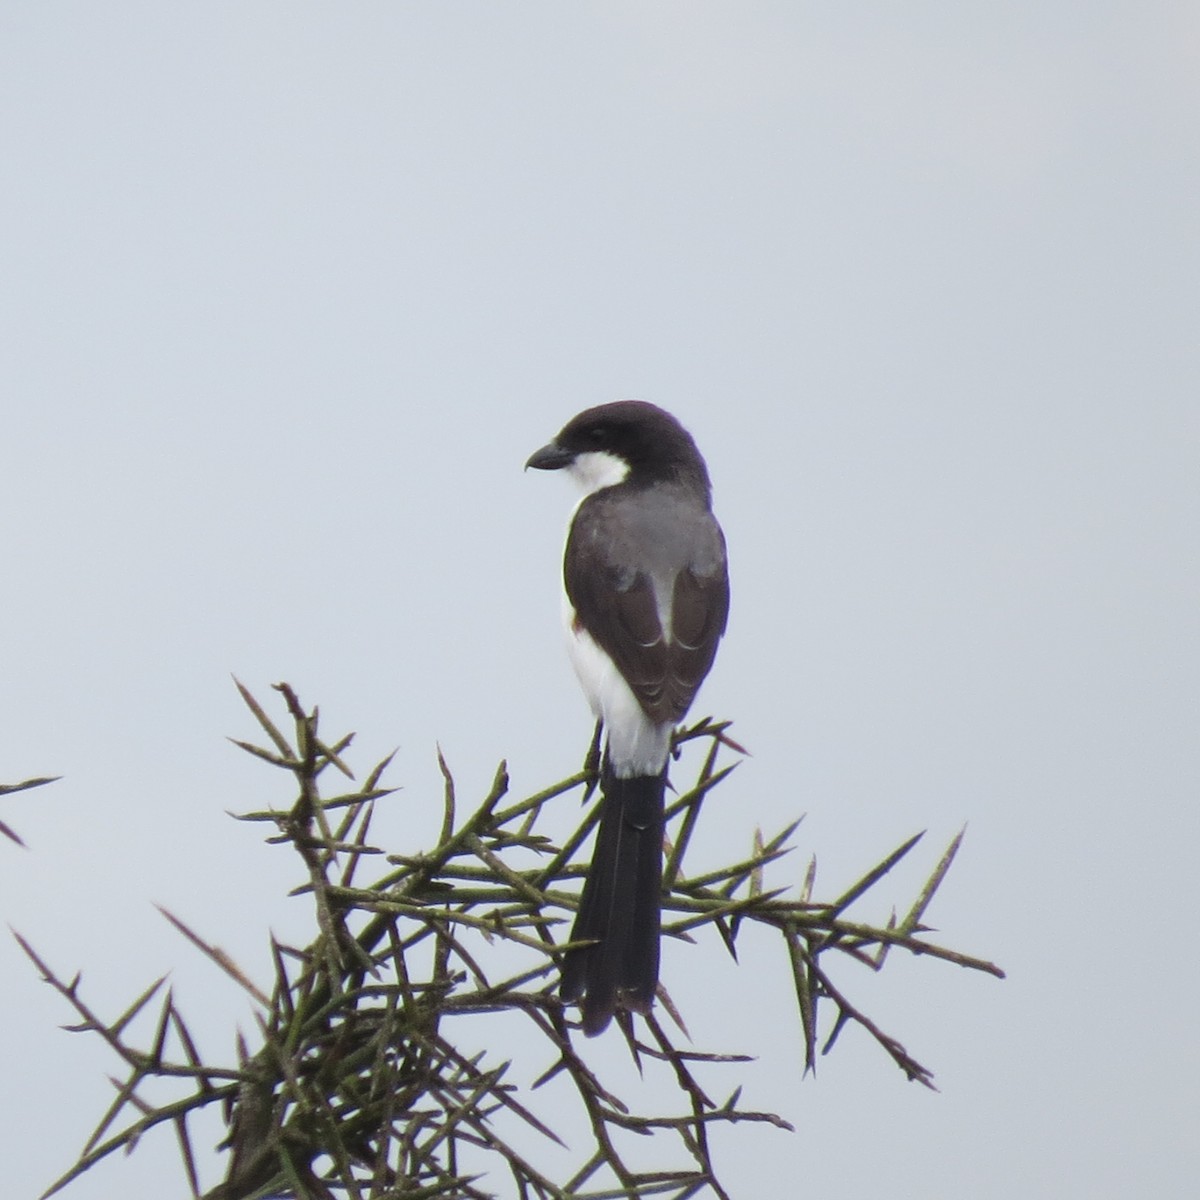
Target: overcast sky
{"type": "Point", "coordinates": [290, 292]}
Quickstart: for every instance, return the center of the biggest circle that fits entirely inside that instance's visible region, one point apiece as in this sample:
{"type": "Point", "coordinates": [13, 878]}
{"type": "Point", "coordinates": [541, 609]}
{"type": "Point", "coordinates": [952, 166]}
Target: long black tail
{"type": "Point", "coordinates": [620, 906]}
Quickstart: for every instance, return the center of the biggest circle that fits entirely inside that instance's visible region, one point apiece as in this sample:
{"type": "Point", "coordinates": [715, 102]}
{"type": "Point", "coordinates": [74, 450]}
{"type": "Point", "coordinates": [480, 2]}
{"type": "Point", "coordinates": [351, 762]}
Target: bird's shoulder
{"type": "Point", "coordinates": [664, 524]}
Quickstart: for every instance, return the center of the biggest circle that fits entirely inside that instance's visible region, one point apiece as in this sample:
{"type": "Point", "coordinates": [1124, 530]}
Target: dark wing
{"type": "Point", "coordinates": [699, 613]}
{"type": "Point", "coordinates": [611, 568]}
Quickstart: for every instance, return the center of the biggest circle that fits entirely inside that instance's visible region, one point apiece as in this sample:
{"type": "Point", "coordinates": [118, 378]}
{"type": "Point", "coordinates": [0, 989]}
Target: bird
{"type": "Point", "coordinates": [646, 585]}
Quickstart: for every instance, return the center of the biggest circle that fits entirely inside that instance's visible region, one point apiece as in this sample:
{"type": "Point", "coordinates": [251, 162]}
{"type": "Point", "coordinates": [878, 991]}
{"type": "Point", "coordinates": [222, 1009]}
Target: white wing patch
{"type": "Point", "coordinates": [664, 604]}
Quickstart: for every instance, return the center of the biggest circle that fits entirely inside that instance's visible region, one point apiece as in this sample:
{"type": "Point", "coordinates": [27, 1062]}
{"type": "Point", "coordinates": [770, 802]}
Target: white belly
{"type": "Point", "coordinates": [636, 746]}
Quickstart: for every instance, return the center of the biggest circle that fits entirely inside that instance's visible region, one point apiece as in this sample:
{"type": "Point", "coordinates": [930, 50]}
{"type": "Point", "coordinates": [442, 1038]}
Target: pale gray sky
{"type": "Point", "coordinates": [290, 292]}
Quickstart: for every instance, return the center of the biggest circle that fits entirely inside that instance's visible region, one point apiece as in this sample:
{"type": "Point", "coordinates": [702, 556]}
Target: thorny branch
{"type": "Point", "coordinates": [367, 1085]}
{"type": "Point", "coordinates": [24, 786]}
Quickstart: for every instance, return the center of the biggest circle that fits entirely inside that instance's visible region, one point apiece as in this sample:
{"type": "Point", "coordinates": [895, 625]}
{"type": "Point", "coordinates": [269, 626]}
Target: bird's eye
{"type": "Point", "coordinates": [598, 433]}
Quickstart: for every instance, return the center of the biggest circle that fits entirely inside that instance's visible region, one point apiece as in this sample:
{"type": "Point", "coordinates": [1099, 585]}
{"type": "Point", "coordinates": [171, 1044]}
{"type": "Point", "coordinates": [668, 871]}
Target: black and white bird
{"type": "Point", "coordinates": [647, 596]}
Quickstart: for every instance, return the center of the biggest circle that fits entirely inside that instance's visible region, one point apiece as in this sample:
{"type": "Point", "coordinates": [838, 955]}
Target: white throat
{"type": "Point", "coordinates": [596, 469]}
